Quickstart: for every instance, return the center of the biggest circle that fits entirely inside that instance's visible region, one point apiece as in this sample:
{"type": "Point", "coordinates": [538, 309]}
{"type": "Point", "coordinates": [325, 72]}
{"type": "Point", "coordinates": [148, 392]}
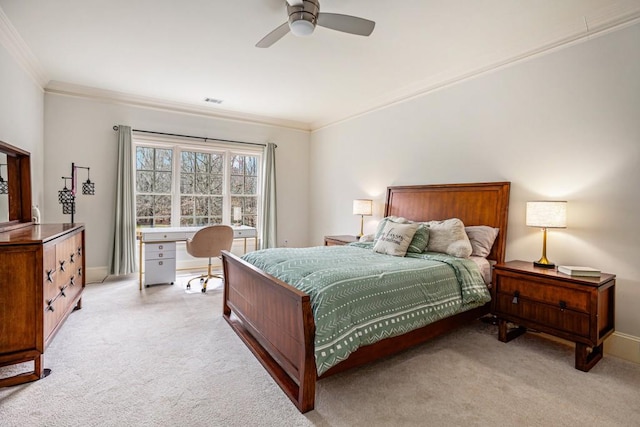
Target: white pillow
{"type": "Point", "coordinates": [449, 237]}
{"type": "Point", "coordinates": [394, 238]}
{"type": "Point", "coordinates": [481, 238]}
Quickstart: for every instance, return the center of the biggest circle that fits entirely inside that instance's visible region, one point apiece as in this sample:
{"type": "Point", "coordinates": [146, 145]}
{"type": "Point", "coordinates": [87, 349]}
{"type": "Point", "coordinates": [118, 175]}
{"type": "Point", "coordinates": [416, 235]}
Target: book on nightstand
{"type": "Point", "coordinates": [574, 270]}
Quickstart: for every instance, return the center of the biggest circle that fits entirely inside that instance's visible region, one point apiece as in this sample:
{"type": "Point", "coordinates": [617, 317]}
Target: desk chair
{"type": "Point", "coordinates": [209, 242]}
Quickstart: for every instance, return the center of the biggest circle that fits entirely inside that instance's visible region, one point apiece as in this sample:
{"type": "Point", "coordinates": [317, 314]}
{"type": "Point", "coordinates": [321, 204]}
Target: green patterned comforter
{"type": "Point", "coordinates": [359, 297]}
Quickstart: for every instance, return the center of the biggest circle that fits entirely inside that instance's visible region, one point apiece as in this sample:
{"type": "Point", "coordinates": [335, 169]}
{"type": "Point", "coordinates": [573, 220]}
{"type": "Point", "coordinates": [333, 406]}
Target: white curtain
{"type": "Point", "coordinates": [269, 218]}
{"type": "Point", "coordinates": [123, 259]}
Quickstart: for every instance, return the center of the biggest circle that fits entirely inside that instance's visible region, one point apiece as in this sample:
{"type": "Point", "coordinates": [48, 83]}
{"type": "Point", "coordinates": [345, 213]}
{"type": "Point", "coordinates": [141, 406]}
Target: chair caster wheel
{"type": "Point", "coordinates": [204, 290]}
{"type": "Point", "coordinates": [201, 280]}
{"type": "Point", "coordinates": [188, 286]}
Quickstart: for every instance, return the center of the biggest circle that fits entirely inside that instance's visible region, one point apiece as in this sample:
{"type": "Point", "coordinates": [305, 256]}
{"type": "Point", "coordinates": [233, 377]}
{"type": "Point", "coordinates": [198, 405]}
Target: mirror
{"type": "Point", "coordinates": [4, 189]}
{"type": "Point", "coordinates": [15, 207]}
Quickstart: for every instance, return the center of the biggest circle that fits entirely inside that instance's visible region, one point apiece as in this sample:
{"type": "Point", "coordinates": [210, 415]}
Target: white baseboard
{"type": "Point", "coordinates": [624, 346]}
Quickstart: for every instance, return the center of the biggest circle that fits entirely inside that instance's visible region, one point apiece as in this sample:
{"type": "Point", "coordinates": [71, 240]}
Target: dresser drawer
{"type": "Point", "coordinates": [543, 315]}
{"type": "Point", "coordinates": [159, 271]}
{"type": "Point", "coordinates": [545, 293]}
{"type": "Point", "coordinates": [160, 250]}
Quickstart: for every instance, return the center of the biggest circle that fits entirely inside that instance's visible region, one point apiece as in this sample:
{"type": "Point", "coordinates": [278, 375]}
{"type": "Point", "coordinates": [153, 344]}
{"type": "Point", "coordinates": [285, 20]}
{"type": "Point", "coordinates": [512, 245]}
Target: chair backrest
{"type": "Point", "coordinates": [210, 241]}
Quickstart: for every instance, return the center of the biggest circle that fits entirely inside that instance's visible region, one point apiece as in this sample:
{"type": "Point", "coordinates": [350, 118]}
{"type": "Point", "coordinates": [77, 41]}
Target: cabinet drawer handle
{"type": "Point", "coordinates": [161, 247]}
{"type": "Point", "coordinates": [160, 255]}
{"type": "Point", "coordinates": [516, 295]}
{"type": "Point", "coordinates": [563, 305]}
{"type": "Point", "coordinates": [159, 262]}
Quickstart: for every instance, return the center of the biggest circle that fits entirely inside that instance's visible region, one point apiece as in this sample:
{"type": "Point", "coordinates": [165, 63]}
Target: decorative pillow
{"type": "Point", "coordinates": [420, 238]}
{"type": "Point", "coordinates": [367, 238]}
{"type": "Point", "coordinates": [448, 236]}
{"type": "Point", "coordinates": [481, 238]}
{"type": "Point", "coordinates": [395, 238]}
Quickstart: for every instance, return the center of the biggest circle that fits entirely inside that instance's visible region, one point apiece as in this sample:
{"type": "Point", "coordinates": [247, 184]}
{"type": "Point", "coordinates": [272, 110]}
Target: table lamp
{"type": "Point", "coordinates": [362, 207]}
{"type": "Point", "coordinates": [546, 214]}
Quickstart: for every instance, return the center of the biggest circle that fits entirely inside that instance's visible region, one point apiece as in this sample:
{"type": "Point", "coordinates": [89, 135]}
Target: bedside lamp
{"type": "Point", "coordinates": [546, 214]}
{"type": "Point", "coordinates": [362, 207]}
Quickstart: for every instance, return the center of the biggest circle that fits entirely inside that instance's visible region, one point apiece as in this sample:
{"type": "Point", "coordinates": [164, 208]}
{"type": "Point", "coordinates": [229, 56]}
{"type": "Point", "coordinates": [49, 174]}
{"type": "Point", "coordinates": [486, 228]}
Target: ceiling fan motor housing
{"type": "Point", "coordinates": [303, 19]}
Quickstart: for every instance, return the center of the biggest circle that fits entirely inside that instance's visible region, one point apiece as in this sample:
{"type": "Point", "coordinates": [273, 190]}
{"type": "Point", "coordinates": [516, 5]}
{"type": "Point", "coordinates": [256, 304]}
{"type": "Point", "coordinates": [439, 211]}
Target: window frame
{"type": "Point", "coordinates": [178, 145]}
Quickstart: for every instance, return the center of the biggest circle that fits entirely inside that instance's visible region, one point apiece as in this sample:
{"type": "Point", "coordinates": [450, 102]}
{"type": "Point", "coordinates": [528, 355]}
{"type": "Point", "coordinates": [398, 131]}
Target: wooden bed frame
{"type": "Point", "coordinates": [275, 319]}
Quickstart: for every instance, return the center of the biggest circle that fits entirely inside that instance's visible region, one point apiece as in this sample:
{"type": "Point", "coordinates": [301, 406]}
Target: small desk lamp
{"type": "Point", "coordinates": [362, 207]}
{"type": "Point", "coordinates": [546, 214]}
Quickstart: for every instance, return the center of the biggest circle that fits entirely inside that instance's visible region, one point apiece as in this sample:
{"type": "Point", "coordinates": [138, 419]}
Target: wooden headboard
{"type": "Point", "coordinates": [475, 204]}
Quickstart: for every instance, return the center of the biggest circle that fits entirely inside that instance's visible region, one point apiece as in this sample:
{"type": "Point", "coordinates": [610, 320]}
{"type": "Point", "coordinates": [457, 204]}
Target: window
{"type": "Point", "coordinates": [193, 185]}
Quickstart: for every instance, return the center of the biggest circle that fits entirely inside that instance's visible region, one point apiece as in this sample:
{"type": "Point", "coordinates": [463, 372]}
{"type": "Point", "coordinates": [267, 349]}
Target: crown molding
{"type": "Point", "coordinates": [74, 90]}
{"type": "Point", "coordinates": [18, 49]}
{"type": "Point", "coordinates": [606, 21]}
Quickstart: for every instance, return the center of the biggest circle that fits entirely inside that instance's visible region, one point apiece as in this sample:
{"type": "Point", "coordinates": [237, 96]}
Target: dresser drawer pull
{"type": "Point", "coordinates": [563, 305]}
{"type": "Point", "coordinates": [516, 295]}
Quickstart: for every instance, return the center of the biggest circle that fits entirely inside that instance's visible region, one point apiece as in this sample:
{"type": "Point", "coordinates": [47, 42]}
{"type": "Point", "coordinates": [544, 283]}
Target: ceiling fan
{"type": "Point", "coordinates": [304, 15]}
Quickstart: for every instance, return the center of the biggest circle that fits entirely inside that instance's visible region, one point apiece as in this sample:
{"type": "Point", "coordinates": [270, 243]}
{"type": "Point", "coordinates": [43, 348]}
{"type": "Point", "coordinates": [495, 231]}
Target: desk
{"type": "Point", "coordinates": [152, 235]}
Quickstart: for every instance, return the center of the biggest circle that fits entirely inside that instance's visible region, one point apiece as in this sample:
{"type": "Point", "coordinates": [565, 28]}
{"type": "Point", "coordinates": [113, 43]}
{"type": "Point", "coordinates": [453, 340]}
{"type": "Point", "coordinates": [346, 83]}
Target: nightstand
{"type": "Point", "coordinates": [339, 240]}
{"type": "Point", "coordinates": [578, 309]}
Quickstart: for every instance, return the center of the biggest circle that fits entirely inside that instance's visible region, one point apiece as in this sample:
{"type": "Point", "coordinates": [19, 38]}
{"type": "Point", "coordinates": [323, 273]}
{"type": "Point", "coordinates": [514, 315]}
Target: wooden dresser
{"type": "Point", "coordinates": [41, 283]}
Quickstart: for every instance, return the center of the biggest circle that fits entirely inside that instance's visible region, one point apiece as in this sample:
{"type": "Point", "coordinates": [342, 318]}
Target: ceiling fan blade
{"type": "Point", "coordinates": [274, 36]}
{"type": "Point", "coordinates": [346, 23]}
{"type": "Point", "coordinates": [294, 2]}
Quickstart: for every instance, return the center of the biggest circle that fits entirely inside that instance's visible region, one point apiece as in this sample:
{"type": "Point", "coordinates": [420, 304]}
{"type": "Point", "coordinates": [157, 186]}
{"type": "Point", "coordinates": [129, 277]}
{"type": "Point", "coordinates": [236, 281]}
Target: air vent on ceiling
{"type": "Point", "coordinates": [213, 100]}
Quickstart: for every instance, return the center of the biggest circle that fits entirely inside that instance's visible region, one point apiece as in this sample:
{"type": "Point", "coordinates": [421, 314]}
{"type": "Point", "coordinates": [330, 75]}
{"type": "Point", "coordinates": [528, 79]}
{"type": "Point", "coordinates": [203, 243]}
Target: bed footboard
{"type": "Point", "coordinates": [275, 321]}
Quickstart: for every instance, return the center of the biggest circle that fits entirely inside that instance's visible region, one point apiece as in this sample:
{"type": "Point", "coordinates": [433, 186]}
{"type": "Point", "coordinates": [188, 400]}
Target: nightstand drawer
{"type": "Point", "coordinates": [545, 293]}
{"type": "Point", "coordinates": [545, 315]}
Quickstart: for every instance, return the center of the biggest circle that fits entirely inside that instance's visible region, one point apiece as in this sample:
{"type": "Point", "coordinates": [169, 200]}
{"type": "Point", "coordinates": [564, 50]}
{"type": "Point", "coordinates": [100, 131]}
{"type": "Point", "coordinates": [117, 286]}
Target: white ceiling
{"type": "Point", "coordinates": [177, 52]}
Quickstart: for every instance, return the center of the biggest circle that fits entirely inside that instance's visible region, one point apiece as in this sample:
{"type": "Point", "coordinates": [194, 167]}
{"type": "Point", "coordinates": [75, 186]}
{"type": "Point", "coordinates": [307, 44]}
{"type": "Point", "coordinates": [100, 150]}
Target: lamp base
{"type": "Point", "coordinates": [544, 265]}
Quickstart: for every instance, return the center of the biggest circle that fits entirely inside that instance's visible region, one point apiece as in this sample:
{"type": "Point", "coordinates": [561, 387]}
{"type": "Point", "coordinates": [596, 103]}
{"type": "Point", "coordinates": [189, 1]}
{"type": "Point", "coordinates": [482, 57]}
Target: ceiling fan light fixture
{"type": "Point", "coordinates": [301, 28]}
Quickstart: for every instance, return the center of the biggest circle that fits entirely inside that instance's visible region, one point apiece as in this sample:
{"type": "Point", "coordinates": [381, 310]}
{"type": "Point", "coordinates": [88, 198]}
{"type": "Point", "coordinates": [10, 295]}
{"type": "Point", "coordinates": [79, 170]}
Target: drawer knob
{"type": "Point", "coordinates": [563, 305]}
{"type": "Point", "coordinates": [516, 295]}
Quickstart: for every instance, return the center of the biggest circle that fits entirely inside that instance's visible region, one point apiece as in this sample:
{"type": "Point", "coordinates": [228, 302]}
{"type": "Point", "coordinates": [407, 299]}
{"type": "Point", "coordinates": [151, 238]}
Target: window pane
{"type": "Point", "coordinates": [237, 165]}
{"type": "Point", "coordinates": [144, 182]}
{"type": "Point", "coordinates": [144, 158]}
{"type": "Point", "coordinates": [202, 206]}
{"type": "Point", "coordinates": [163, 159]}
{"type": "Point", "coordinates": [187, 183]}
{"type": "Point", "coordinates": [144, 206]}
{"type": "Point", "coordinates": [237, 185]}
{"type": "Point", "coordinates": [202, 184]}
{"type": "Point", "coordinates": [216, 184]}
{"type": "Point", "coordinates": [188, 163]}
{"type": "Point", "coordinates": [202, 163]}
{"type": "Point", "coordinates": [251, 185]}
{"type": "Point", "coordinates": [187, 206]}
{"type": "Point", "coordinates": [251, 205]}
{"type": "Point", "coordinates": [217, 164]}
{"type": "Point", "coordinates": [251, 164]}
{"type": "Point", "coordinates": [162, 206]}
{"type": "Point", "coordinates": [162, 182]}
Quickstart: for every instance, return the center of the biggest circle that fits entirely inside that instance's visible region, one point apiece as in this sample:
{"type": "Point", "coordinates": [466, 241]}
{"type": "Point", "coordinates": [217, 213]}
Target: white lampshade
{"type": "Point", "coordinates": [301, 27]}
{"type": "Point", "coordinates": [547, 214]}
{"type": "Point", "coordinates": [362, 206]}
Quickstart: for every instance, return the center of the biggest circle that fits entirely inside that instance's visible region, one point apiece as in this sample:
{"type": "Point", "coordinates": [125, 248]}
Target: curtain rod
{"type": "Point", "coordinates": [194, 137]}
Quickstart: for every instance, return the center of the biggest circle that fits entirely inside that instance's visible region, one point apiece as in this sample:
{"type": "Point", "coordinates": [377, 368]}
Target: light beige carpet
{"type": "Point", "coordinates": [165, 357]}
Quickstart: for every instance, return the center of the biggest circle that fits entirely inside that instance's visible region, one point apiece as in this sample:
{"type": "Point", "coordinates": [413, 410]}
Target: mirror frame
{"type": "Point", "coordinates": [19, 178]}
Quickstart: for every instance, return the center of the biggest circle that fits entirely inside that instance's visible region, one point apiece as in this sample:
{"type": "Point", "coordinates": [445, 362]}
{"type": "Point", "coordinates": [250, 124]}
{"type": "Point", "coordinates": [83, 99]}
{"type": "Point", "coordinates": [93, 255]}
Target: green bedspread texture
{"type": "Point", "coordinates": [359, 296]}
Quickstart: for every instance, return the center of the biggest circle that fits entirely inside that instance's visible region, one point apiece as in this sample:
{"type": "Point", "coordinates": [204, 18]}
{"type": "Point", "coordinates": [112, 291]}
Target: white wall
{"type": "Point", "coordinates": [563, 126]}
{"type": "Point", "coordinates": [80, 130]}
{"type": "Point", "coordinates": [21, 109]}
